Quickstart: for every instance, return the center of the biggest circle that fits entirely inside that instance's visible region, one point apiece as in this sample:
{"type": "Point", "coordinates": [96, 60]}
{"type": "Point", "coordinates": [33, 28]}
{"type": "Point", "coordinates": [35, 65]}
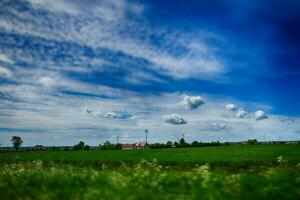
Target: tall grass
{"type": "Point", "coordinates": [145, 180]}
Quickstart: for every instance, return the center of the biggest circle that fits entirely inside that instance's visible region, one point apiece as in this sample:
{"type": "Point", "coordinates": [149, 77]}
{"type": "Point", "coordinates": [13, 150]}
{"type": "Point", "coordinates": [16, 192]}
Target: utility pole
{"type": "Point", "coordinates": [146, 135]}
{"type": "Point", "coordinates": [118, 139]}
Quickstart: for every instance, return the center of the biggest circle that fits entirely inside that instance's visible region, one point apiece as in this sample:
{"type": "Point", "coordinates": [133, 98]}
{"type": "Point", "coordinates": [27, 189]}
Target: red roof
{"type": "Point", "coordinates": [128, 145]}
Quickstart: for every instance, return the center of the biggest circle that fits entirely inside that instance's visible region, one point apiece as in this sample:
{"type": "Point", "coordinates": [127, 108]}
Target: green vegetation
{"type": "Point", "coordinates": [224, 172]}
{"type": "Point", "coordinates": [145, 180]}
{"type": "Point", "coordinates": [222, 154]}
{"type": "Point", "coordinates": [81, 146]}
{"type": "Point", "coordinates": [16, 142]}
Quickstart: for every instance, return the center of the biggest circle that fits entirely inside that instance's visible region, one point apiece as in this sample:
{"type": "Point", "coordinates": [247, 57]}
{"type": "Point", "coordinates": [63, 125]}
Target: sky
{"type": "Point", "coordinates": [91, 71]}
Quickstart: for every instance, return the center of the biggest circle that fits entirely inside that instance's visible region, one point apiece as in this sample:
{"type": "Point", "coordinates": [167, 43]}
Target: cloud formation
{"type": "Point", "coordinates": [117, 26]}
{"type": "Point", "coordinates": [241, 113]}
{"type": "Point", "coordinates": [47, 81]}
{"type": "Point", "coordinates": [113, 60]}
{"type": "Point", "coordinates": [191, 102]}
{"type": "Point", "coordinates": [117, 115]}
{"type": "Point", "coordinates": [231, 107]}
{"type": "Point", "coordinates": [5, 73]}
{"type": "Point", "coordinates": [260, 115]}
{"type": "Point", "coordinates": [215, 126]}
{"type": "Point", "coordinates": [6, 59]}
{"type": "Point", "coordinates": [174, 119]}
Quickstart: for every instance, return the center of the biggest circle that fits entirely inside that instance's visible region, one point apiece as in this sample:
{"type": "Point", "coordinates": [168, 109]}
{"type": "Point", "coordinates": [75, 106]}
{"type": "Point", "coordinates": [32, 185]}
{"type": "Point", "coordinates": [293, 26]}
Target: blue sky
{"type": "Point", "coordinates": [92, 71]}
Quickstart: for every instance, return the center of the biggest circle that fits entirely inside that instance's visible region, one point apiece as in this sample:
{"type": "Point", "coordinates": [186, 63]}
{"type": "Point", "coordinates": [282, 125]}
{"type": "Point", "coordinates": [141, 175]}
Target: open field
{"type": "Point", "coordinates": [223, 154]}
{"type": "Point", "coordinates": [230, 172]}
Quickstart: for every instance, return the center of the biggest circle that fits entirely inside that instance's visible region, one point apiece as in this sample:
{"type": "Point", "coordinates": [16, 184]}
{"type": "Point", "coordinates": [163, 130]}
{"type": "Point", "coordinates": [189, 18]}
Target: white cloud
{"type": "Point", "coordinates": [117, 115]}
{"type": "Point", "coordinates": [62, 114]}
{"type": "Point", "coordinates": [6, 59]}
{"type": "Point", "coordinates": [191, 102]}
{"type": "Point", "coordinates": [222, 125]}
{"type": "Point", "coordinates": [55, 6]}
{"type": "Point", "coordinates": [174, 119]}
{"type": "Point", "coordinates": [260, 115]}
{"type": "Point", "coordinates": [47, 81]}
{"type": "Point", "coordinates": [135, 117]}
{"type": "Point", "coordinates": [241, 113]}
{"type": "Point", "coordinates": [112, 115]}
{"type": "Point", "coordinates": [231, 107]}
{"type": "Point", "coordinates": [5, 73]}
{"type": "Point", "coordinates": [215, 126]}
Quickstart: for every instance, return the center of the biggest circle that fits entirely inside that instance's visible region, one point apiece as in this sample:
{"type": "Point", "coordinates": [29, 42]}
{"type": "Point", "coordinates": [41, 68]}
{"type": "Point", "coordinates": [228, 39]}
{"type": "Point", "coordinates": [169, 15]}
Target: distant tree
{"type": "Point", "coordinates": [79, 146]}
{"type": "Point", "coordinates": [107, 143]}
{"type": "Point", "coordinates": [169, 144]}
{"type": "Point", "coordinates": [66, 149]}
{"type": "Point", "coordinates": [16, 142]}
{"type": "Point", "coordinates": [254, 141]}
{"type": "Point", "coordinates": [175, 144]}
{"type": "Point", "coordinates": [195, 144]}
{"type": "Point", "coordinates": [118, 146]}
{"type": "Point", "coordinates": [109, 146]}
{"type": "Point", "coordinates": [182, 143]}
{"type": "Point", "coordinates": [227, 143]}
{"type": "Point", "coordinates": [86, 147]}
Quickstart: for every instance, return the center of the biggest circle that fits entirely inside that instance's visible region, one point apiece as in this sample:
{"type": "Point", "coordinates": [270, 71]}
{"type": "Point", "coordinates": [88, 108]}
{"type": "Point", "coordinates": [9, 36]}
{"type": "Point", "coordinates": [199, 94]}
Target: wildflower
{"type": "Point", "coordinates": [38, 163]}
{"type": "Point", "coordinates": [281, 160]}
{"type": "Point", "coordinates": [205, 174]}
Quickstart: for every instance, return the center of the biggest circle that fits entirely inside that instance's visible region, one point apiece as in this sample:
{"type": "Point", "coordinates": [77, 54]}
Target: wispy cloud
{"type": "Point", "coordinates": [107, 25]}
{"type": "Point", "coordinates": [5, 73]}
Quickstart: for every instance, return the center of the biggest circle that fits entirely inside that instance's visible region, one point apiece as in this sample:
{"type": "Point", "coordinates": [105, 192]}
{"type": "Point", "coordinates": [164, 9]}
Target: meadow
{"type": "Point", "coordinates": [225, 172]}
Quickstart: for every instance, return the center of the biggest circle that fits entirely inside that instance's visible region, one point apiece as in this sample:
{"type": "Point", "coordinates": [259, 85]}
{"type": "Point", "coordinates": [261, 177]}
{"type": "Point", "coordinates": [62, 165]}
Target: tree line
{"type": "Point", "coordinates": [81, 146]}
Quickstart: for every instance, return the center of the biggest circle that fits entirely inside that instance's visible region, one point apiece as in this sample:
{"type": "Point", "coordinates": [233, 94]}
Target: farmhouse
{"type": "Point", "coordinates": [138, 145]}
{"type": "Point", "coordinates": [127, 146]}
{"type": "Point", "coordinates": [38, 148]}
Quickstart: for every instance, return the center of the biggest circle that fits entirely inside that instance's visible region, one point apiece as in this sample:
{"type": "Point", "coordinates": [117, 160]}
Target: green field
{"type": "Point", "coordinates": [225, 172]}
{"type": "Point", "coordinates": [229, 154]}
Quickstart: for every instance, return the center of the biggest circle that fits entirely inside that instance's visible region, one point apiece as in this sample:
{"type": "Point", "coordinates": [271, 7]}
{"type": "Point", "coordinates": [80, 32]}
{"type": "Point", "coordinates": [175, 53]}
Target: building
{"type": "Point", "coordinates": [137, 145]}
{"type": "Point", "coordinates": [140, 145]}
{"type": "Point", "coordinates": [39, 148]}
{"type": "Point", "coordinates": [127, 146]}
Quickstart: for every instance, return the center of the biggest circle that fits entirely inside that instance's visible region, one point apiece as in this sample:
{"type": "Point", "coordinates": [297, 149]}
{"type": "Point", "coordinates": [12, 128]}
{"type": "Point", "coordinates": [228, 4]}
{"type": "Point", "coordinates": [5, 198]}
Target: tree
{"type": "Point", "coordinates": [87, 147]}
{"type": "Point", "coordinates": [254, 141]}
{"type": "Point", "coordinates": [79, 146]}
{"type": "Point", "coordinates": [169, 144]}
{"type": "Point", "coordinates": [182, 143]}
{"type": "Point", "coordinates": [66, 149]}
{"type": "Point", "coordinates": [16, 142]}
{"type": "Point", "coordinates": [107, 145]}
{"type": "Point", "coordinates": [195, 143]}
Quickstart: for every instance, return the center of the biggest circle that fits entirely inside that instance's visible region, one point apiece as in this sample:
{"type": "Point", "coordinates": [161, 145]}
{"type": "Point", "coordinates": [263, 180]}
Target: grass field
{"type": "Point", "coordinates": [227, 172]}
{"type": "Point", "coordinates": [230, 154]}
